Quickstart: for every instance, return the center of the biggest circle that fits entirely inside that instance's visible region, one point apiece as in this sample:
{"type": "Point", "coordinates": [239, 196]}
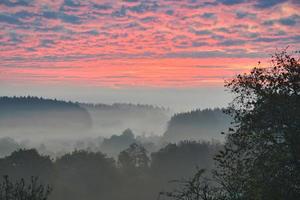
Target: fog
{"type": "Point", "coordinates": [55, 127]}
{"type": "Point", "coordinates": [177, 99]}
{"type": "Point", "coordinates": [90, 150]}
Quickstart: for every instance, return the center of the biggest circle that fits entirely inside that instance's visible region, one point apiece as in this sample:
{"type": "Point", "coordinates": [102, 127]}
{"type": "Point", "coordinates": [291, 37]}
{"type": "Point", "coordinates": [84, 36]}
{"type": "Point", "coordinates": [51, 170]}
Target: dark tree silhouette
{"type": "Point", "coordinates": [179, 160]}
{"type": "Point", "coordinates": [261, 158]}
{"type": "Point", "coordinates": [85, 175]}
{"type": "Point", "coordinates": [116, 143]}
{"type": "Point", "coordinates": [134, 157]}
{"type": "Point", "coordinates": [20, 190]}
{"type": "Point", "coordinates": [197, 125]}
{"type": "Point", "coordinates": [26, 163]}
{"type": "Point", "coordinates": [18, 113]}
{"type": "Point", "coordinates": [7, 146]}
{"type": "Point", "coordinates": [196, 188]}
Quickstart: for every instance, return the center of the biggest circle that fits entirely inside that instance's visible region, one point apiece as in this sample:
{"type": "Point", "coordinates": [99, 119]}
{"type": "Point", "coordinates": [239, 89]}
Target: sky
{"type": "Point", "coordinates": [168, 52]}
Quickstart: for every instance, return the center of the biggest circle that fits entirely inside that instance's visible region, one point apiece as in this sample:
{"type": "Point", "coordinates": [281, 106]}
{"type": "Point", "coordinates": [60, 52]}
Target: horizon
{"type": "Point", "coordinates": [151, 52]}
{"type": "Point", "coordinates": [171, 98]}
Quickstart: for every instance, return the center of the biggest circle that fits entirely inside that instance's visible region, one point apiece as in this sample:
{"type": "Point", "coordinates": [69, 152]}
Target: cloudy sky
{"type": "Point", "coordinates": [101, 50]}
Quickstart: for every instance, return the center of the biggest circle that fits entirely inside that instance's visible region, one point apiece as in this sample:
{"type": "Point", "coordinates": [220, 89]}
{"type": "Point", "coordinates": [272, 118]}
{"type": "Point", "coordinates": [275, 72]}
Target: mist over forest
{"type": "Point", "coordinates": [58, 150]}
{"type": "Point", "coordinates": [55, 127]}
{"type": "Point", "coordinates": [114, 147]}
{"type": "Point", "coordinates": [149, 99]}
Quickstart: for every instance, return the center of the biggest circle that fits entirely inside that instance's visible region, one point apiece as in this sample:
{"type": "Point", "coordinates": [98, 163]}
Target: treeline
{"type": "Point", "coordinates": [114, 118]}
{"type": "Point", "coordinates": [123, 106]}
{"type": "Point", "coordinates": [261, 155]}
{"type": "Point", "coordinates": [32, 102]}
{"type": "Point", "coordinates": [198, 124]}
{"type": "Point", "coordinates": [38, 115]}
{"type": "Point", "coordinates": [55, 117]}
{"type": "Point", "coordinates": [135, 174]}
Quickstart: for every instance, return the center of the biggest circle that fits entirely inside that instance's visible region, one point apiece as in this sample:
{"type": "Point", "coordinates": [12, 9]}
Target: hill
{"type": "Point", "coordinates": [39, 115]}
{"type": "Point", "coordinates": [198, 125]}
{"type": "Point", "coordinates": [109, 119]}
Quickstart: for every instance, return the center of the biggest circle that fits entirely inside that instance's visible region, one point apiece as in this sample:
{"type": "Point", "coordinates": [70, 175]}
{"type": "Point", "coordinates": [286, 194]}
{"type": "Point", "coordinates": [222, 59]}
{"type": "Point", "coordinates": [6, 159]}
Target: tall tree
{"type": "Point", "coordinates": [261, 158]}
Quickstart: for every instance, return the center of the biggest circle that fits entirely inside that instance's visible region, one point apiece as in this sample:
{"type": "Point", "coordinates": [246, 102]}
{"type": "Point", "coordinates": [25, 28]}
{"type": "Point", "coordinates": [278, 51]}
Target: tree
{"type": "Point", "coordinates": [195, 188]}
{"type": "Point", "coordinates": [7, 146]}
{"type": "Point", "coordinates": [179, 160]}
{"type": "Point", "coordinates": [134, 157]}
{"type": "Point", "coordinates": [261, 157]}
{"type": "Point", "coordinates": [26, 163]}
{"type": "Point", "coordinates": [116, 143]}
{"type": "Point", "coordinates": [197, 125]}
{"type": "Point", "coordinates": [85, 175]}
{"type": "Point", "coordinates": [19, 190]}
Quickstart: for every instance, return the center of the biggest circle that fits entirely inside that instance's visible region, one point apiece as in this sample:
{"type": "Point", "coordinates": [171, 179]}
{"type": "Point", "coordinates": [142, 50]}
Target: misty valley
{"type": "Point", "coordinates": [149, 99]}
{"type": "Point", "coordinates": [89, 151]}
{"type": "Point", "coordinates": [56, 127]}
{"type": "Point", "coordinates": [54, 149]}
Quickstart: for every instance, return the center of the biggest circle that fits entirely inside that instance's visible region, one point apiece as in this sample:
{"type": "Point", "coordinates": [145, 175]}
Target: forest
{"type": "Point", "coordinates": [258, 157]}
{"type": "Point", "coordinates": [60, 126]}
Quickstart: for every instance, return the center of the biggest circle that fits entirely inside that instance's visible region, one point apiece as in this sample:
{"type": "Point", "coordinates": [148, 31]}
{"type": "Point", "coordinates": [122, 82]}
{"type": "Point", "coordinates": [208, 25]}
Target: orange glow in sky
{"type": "Point", "coordinates": [153, 43]}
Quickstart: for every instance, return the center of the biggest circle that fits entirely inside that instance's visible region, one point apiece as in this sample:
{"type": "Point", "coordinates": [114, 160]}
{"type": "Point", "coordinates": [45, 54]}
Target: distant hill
{"type": "Point", "coordinates": [109, 119]}
{"type": "Point", "coordinates": [38, 115]}
{"type": "Point", "coordinates": [198, 125]}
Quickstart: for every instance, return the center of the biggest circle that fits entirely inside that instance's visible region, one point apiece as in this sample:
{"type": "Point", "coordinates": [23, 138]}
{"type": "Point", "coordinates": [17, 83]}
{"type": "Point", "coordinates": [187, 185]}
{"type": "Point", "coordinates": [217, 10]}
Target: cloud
{"type": "Point", "coordinates": [24, 14]}
{"type": "Point", "coordinates": [67, 18]}
{"type": "Point", "coordinates": [72, 19]}
{"type": "Point", "coordinates": [105, 6]}
{"type": "Point", "coordinates": [144, 6]}
{"type": "Point", "coordinates": [149, 19]}
{"type": "Point", "coordinates": [199, 44]}
{"type": "Point", "coordinates": [268, 23]}
{"type": "Point", "coordinates": [170, 12]}
{"type": "Point", "coordinates": [120, 13]}
{"type": "Point", "coordinates": [16, 38]}
{"type": "Point", "coordinates": [71, 3]}
{"type": "Point", "coordinates": [263, 4]}
{"type": "Point", "coordinates": [208, 15]}
{"type": "Point", "coordinates": [212, 66]}
{"type": "Point", "coordinates": [231, 2]}
{"type": "Point", "coordinates": [289, 21]}
{"type": "Point", "coordinates": [47, 43]}
{"type": "Point", "coordinates": [232, 42]}
{"type": "Point", "coordinates": [6, 18]}
{"type": "Point", "coordinates": [202, 32]}
{"type": "Point", "coordinates": [92, 32]}
{"type": "Point", "coordinates": [242, 15]}
{"type": "Point", "coordinates": [285, 21]}
{"type": "Point", "coordinates": [15, 3]}
{"type": "Point", "coordinates": [213, 54]}
{"type": "Point", "coordinates": [50, 15]}
{"type": "Point", "coordinates": [82, 33]}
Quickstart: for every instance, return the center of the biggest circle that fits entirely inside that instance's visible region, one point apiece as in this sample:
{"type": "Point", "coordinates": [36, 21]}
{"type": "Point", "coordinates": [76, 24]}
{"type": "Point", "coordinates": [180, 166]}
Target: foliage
{"type": "Point", "coordinates": [197, 125]}
{"type": "Point", "coordinates": [7, 146]}
{"type": "Point", "coordinates": [18, 113]}
{"type": "Point", "coordinates": [116, 143]}
{"type": "Point", "coordinates": [85, 175]}
{"type": "Point", "coordinates": [134, 157]}
{"type": "Point", "coordinates": [195, 188]}
{"type": "Point", "coordinates": [179, 160]}
{"type": "Point", "coordinates": [261, 158]}
{"type": "Point", "coordinates": [26, 163]}
{"type": "Point", "coordinates": [90, 175]}
{"type": "Point", "coordinates": [19, 190]}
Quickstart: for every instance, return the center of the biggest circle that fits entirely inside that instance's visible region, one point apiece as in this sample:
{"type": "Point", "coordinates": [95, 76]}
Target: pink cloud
{"type": "Point", "coordinates": [158, 43]}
